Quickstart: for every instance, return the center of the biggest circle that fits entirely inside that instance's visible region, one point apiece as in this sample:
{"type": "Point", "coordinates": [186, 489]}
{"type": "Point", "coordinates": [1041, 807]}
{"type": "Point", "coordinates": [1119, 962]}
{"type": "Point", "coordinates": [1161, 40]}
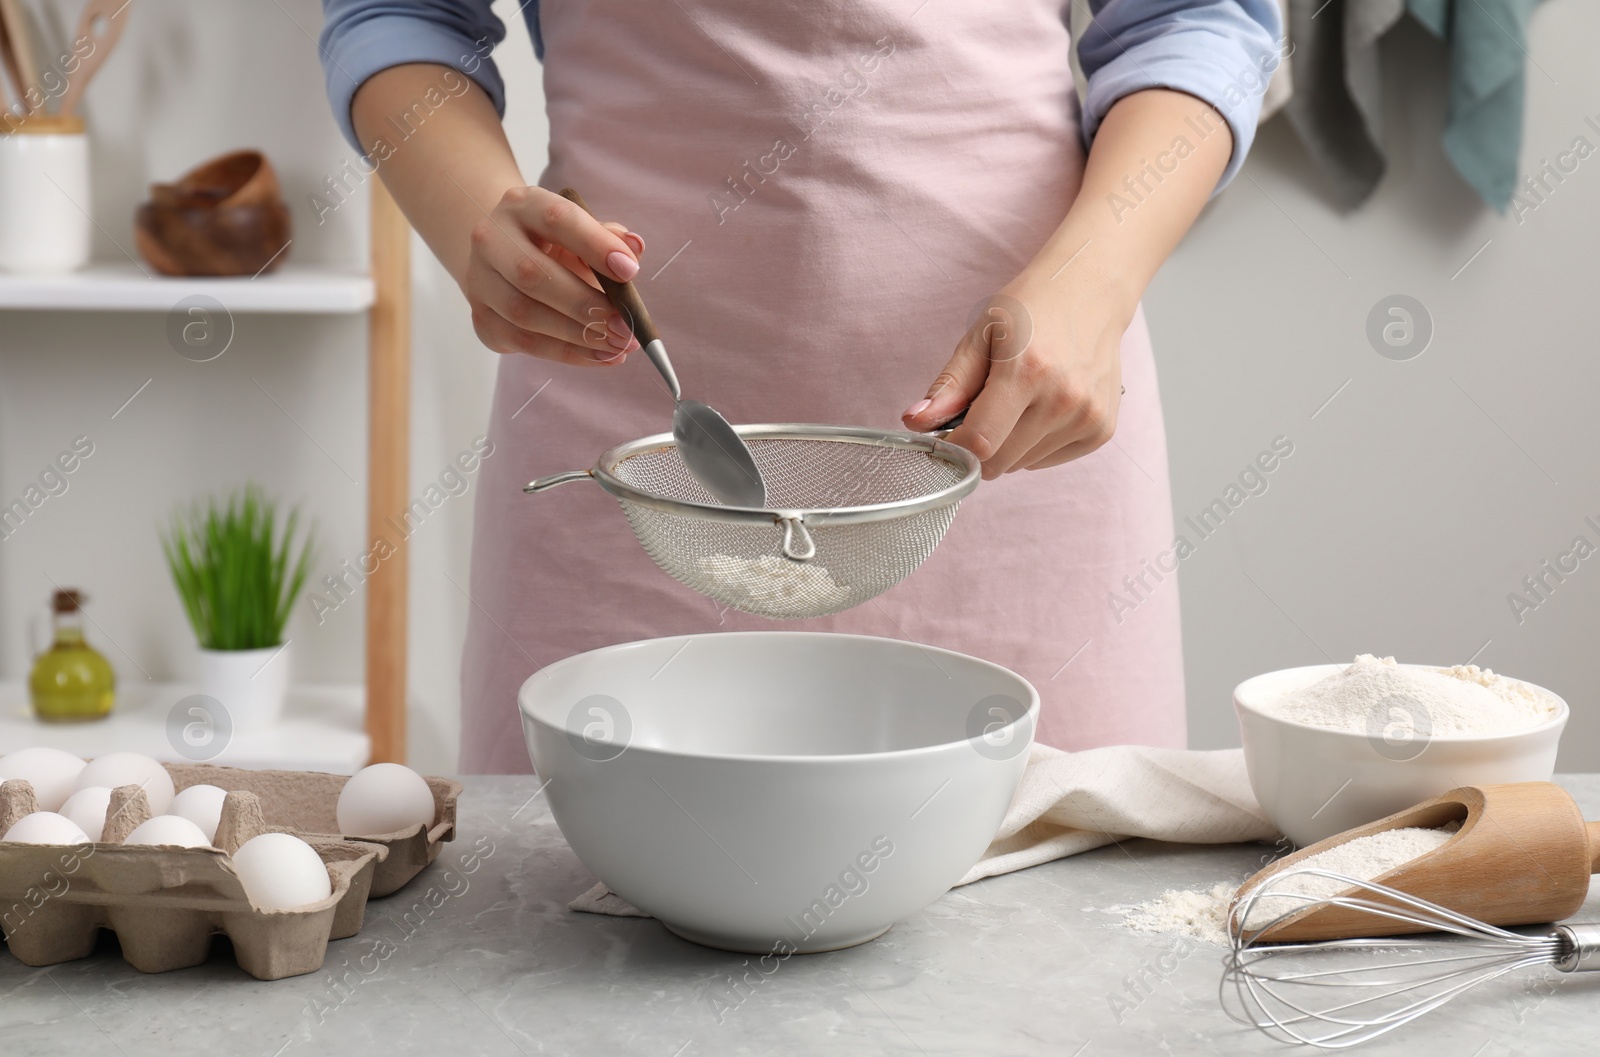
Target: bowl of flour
{"type": "Point", "coordinates": [1332, 746]}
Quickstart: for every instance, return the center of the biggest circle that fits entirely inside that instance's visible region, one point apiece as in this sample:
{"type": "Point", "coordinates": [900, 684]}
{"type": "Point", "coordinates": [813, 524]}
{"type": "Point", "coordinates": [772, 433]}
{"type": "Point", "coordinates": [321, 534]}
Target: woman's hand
{"type": "Point", "coordinates": [530, 280]}
{"type": "Point", "coordinates": [1041, 368]}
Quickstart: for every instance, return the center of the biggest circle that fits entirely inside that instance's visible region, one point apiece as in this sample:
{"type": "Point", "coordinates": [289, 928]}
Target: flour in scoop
{"type": "Point", "coordinates": [1202, 914]}
{"type": "Point", "coordinates": [1461, 700]}
{"type": "Point", "coordinates": [1362, 859]}
{"type": "Point", "coordinates": [771, 584]}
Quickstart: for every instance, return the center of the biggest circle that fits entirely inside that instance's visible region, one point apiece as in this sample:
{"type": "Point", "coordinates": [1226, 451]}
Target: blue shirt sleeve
{"type": "Point", "coordinates": [1221, 51]}
{"type": "Point", "coordinates": [363, 37]}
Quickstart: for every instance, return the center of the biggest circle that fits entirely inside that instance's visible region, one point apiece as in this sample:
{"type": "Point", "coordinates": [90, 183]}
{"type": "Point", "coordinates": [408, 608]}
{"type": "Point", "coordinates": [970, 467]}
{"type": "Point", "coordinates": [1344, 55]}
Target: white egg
{"type": "Point", "coordinates": [384, 798]}
{"type": "Point", "coordinates": [130, 768]}
{"type": "Point", "coordinates": [46, 827]}
{"type": "Point", "coordinates": [168, 830]}
{"type": "Point", "coordinates": [281, 872]}
{"type": "Point", "coordinates": [87, 808]}
{"type": "Point", "coordinates": [51, 772]}
{"type": "Point", "coordinates": [202, 805]}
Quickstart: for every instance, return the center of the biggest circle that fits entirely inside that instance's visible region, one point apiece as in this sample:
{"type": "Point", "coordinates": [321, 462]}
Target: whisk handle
{"type": "Point", "coordinates": [624, 297]}
{"type": "Point", "coordinates": [1583, 948]}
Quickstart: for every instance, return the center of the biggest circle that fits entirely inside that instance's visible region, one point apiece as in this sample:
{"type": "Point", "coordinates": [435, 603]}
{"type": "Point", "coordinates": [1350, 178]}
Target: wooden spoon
{"type": "Point", "coordinates": [1522, 856]}
{"type": "Point", "coordinates": [10, 59]}
{"type": "Point", "coordinates": [102, 22]}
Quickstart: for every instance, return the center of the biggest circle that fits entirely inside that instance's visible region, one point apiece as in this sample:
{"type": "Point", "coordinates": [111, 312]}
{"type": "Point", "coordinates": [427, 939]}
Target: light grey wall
{"type": "Point", "coordinates": [1419, 498]}
{"type": "Point", "coordinates": [1403, 518]}
{"type": "Point", "coordinates": [190, 81]}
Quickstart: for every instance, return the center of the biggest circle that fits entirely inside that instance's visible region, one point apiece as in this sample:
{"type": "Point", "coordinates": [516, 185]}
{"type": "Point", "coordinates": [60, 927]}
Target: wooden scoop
{"type": "Point", "coordinates": [1522, 856]}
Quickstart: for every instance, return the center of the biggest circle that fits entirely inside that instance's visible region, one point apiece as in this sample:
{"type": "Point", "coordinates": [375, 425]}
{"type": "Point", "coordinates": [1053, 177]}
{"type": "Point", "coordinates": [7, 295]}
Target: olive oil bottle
{"type": "Point", "coordinates": [71, 681]}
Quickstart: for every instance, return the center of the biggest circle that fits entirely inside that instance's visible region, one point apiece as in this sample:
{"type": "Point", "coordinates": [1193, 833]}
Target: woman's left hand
{"type": "Point", "coordinates": [1041, 369]}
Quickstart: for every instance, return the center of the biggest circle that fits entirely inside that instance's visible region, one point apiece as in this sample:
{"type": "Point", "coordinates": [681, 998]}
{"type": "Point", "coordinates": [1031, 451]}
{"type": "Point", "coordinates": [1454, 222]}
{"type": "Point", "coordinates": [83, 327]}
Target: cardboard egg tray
{"type": "Point", "coordinates": [304, 803]}
{"type": "Point", "coordinates": [165, 903]}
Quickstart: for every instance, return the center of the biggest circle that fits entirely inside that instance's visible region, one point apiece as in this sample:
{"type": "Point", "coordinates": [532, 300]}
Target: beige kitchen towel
{"type": "Point", "coordinates": [1071, 802]}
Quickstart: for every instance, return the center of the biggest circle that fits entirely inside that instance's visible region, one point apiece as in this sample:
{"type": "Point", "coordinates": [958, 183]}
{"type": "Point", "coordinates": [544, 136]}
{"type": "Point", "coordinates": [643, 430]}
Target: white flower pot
{"type": "Point", "coordinates": [251, 685]}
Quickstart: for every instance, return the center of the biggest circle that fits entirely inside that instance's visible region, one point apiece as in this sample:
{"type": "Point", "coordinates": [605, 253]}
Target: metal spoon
{"type": "Point", "coordinates": [717, 456]}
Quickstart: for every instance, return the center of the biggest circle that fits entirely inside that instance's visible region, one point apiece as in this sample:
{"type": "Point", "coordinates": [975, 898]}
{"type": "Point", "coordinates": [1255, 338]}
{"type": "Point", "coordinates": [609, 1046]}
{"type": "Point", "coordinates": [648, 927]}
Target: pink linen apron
{"type": "Point", "coordinates": [827, 191]}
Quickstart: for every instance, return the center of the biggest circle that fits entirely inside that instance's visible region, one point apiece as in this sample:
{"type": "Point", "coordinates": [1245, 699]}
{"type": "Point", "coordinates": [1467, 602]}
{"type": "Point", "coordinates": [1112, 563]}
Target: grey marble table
{"type": "Point", "coordinates": [480, 956]}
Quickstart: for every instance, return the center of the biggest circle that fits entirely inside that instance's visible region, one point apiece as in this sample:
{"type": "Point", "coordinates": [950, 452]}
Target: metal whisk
{"type": "Point", "coordinates": [1339, 993]}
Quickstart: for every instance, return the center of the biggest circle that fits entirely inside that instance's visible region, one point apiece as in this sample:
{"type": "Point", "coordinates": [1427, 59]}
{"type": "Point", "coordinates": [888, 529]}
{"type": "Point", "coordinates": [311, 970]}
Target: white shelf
{"type": "Point", "coordinates": [322, 729]}
{"type": "Point", "coordinates": [124, 288]}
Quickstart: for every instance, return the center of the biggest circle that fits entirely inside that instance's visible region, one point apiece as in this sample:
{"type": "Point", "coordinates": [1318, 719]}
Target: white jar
{"type": "Point", "coordinates": [44, 194]}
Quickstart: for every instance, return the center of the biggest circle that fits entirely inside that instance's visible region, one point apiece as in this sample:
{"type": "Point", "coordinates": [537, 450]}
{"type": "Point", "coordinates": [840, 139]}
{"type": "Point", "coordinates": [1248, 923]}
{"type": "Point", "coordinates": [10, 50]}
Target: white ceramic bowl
{"type": "Point", "coordinates": [1313, 782]}
{"type": "Point", "coordinates": [770, 792]}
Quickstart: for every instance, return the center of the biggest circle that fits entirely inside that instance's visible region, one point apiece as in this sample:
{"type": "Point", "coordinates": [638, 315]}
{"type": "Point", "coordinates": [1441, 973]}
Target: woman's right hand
{"type": "Point", "coordinates": [530, 280]}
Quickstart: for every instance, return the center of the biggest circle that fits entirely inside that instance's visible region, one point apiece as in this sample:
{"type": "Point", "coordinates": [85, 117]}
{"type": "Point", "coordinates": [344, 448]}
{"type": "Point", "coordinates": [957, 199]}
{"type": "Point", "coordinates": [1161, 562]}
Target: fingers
{"type": "Point", "coordinates": [954, 388]}
{"type": "Point", "coordinates": [603, 332]}
{"type": "Point", "coordinates": [1067, 453]}
{"type": "Point", "coordinates": [510, 253]}
{"type": "Point", "coordinates": [1030, 433]}
{"type": "Point", "coordinates": [501, 335]}
{"type": "Point", "coordinates": [634, 241]}
{"type": "Point", "coordinates": [1088, 434]}
{"type": "Point", "coordinates": [547, 215]}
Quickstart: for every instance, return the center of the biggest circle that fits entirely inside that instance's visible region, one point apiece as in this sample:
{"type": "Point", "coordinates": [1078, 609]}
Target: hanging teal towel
{"type": "Point", "coordinates": [1488, 42]}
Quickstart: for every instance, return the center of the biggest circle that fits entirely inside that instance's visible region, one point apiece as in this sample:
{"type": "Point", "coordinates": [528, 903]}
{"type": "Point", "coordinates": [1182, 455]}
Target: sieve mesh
{"type": "Point", "coordinates": [742, 564]}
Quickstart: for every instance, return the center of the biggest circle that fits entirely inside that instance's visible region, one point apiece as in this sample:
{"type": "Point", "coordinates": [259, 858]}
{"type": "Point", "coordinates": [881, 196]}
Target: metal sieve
{"type": "Point", "coordinates": [851, 512]}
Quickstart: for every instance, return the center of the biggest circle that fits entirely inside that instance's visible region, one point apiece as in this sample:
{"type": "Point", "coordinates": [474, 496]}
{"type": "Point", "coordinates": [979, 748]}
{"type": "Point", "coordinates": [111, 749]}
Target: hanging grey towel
{"type": "Point", "coordinates": [1336, 108]}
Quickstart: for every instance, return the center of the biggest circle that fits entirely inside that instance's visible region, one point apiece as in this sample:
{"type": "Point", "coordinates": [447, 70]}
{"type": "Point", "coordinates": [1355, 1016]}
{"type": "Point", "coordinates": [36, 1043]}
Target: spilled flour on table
{"type": "Point", "coordinates": [1197, 913]}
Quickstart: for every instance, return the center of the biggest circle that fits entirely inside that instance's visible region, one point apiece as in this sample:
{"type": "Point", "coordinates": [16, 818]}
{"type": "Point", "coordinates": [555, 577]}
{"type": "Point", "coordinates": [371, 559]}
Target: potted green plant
{"type": "Point", "coordinates": [238, 568]}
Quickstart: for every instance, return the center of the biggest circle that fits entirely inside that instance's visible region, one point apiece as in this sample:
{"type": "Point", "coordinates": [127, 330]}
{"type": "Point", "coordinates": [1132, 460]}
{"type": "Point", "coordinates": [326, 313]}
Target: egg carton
{"type": "Point", "coordinates": [305, 803]}
{"type": "Point", "coordinates": [166, 903]}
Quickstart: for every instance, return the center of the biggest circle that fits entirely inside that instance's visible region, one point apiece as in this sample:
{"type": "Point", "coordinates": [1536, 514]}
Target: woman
{"type": "Point", "coordinates": [851, 207]}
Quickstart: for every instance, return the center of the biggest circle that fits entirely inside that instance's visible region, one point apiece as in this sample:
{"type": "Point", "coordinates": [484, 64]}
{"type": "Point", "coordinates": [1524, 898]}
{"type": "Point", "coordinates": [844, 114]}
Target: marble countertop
{"type": "Point", "coordinates": [490, 962]}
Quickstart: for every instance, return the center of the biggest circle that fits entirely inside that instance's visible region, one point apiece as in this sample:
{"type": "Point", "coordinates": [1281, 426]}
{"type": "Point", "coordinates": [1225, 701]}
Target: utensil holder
{"type": "Point", "coordinates": [44, 194]}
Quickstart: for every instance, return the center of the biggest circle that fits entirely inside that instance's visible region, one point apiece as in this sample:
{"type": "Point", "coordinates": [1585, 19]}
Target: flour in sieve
{"type": "Point", "coordinates": [1363, 859]}
{"type": "Point", "coordinates": [772, 584]}
{"type": "Point", "coordinates": [1464, 699]}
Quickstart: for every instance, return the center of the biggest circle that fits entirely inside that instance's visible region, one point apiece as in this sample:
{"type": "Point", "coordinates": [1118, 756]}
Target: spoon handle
{"type": "Point", "coordinates": [101, 23]}
{"type": "Point", "coordinates": [624, 297]}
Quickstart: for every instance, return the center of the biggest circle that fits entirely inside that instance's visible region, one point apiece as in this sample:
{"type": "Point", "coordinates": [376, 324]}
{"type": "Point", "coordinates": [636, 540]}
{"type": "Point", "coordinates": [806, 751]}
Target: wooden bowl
{"type": "Point", "coordinates": [226, 217]}
{"type": "Point", "coordinates": [244, 177]}
{"type": "Point", "coordinates": [230, 240]}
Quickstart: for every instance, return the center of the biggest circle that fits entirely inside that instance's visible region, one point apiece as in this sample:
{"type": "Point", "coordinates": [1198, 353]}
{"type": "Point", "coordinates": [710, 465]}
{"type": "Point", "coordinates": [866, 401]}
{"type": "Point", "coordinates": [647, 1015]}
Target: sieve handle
{"type": "Point", "coordinates": [554, 479]}
{"type": "Point", "coordinates": [624, 297]}
{"type": "Point", "coordinates": [949, 427]}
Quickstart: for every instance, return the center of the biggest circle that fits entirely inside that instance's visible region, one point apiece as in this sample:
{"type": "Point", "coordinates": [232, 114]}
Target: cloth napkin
{"type": "Point", "coordinates": [1071, 802]}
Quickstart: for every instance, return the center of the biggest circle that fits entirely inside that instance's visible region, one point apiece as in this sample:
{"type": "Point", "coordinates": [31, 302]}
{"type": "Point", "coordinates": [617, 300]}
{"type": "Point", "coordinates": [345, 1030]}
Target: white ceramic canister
{"type": "Point", "coordinates": [44, 194]}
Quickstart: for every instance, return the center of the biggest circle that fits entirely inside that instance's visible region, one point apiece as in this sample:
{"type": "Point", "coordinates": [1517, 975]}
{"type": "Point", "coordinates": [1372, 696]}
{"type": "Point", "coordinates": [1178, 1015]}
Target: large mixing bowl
{"type": "Point", "coordinates": [772, 792]}
{"type": "Point", "coordinates": [1313, 782]}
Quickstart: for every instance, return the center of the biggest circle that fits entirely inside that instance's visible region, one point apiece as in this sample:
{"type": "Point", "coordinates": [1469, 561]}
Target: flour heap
{"type": "Point", "coordinates": [1361, 859]}
{"type": "Point", "coordinates": [1202, 914]}
{"type": "Point", "coordinates": [776, 585]}
{"type": "Point", "coordinates": [1464, 699]}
